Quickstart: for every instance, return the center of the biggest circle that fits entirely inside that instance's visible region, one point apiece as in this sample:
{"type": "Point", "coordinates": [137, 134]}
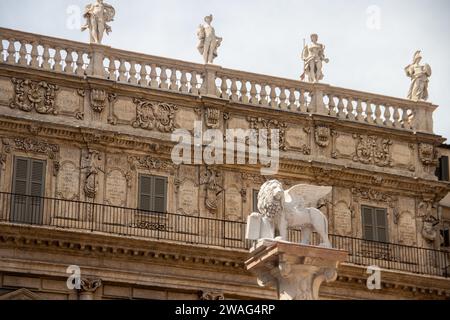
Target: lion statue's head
{"type": "Point", "coordinates": [271, 199]}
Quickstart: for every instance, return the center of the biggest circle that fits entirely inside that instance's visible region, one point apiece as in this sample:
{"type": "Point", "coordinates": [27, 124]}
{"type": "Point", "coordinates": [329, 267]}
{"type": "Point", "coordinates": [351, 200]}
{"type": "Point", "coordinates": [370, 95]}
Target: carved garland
{"type": "Point", "coordinates": [151, 163]}
{"type": "Point", "coordinates": [152, 115]}
{"type": "Point", "coordinates": [34, 95]}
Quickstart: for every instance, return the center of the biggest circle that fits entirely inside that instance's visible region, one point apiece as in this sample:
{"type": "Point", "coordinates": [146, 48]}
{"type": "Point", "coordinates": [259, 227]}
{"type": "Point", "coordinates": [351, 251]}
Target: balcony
{"type": "Point", "coordinates": [75, 59]}
{"type": "Point", "coordinates": [127, 222]}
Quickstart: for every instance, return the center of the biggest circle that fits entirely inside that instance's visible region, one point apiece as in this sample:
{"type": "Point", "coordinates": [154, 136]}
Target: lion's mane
{"type": "Point", "coordinates": [268, 206]}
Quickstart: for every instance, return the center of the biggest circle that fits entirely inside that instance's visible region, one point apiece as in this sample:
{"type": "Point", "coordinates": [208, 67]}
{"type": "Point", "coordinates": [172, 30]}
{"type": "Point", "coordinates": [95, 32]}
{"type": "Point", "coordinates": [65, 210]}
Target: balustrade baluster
{"type": "Point", "coordinates": [332, 105]}
{"type": "Point", "coordinates": [253, 93]}
{"type": "Point", "coordinates": [244, 97]}
{"type": "Point", "coordinates": [292, 100]}
{"type": "Point", "coordinates": [173, 80]}
{"type": "Point", "coordinates": [396, 117]}
{"type": "Point", "coordinates": [359, 111]}
{"type": "Point", "coordinates": [302, 103]}
{"type": "Point", "coordinates": [369, 112]}
{"type": "Point", "coordinates": [194, 84]}
{"type": "Point", "coordinates": [69, 66]}
{"type": "Point", "coordinates": [263, 94]}
{"type": "Point", "coordinates": [46, 58]}
{"type": "Point", "coordinates": [11, 52]}
{"type": "Point", "coordinates": [23, 59]}
{"type": "Point", "coordinates": [378, 119]}
{"type": "Point", "coordinates": [224, 88]}
{"type": "Point", "coordinates": [163, 79]}
{"type": "Point", "coordinates": [350, 109]}
{"type": "Point", "coordinates": [387, 116]}
{"type": "Point", "coordinates": [133, 73]}
{"type": "Point", "coordinates": [3, 52]}
{"type": "Point", "coordinates": [143, 76]}
{"type": "Point", "coordinates": [153, 76]}
{"type": "Point", "coordinates": [58, 60]}
{"type": "Point", "coordinates": [34, 54]}
{"type": "Point", "coordinates": [80, 63]}
{"type": "Point", "coordinates": [406, 119]}
{"type": "Point", "coordinates": [122, 71]}
{"type": "Point", "coordinates": [273, 96]}
{"type": "Point", "coordinates": [184, 82]}
{"type": "Point", "coordinates": [341, 108]}
{"type": "Point", "coordinates": [283, 104]}
{"type": "Point", "coordinates": [112, 69]}
{"type": "Point", "coordinates": [234, 91]}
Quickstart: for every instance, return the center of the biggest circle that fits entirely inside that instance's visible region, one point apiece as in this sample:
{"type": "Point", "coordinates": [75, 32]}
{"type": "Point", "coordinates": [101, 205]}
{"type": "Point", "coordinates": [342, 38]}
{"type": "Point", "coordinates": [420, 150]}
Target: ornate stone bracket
{"type": "Point", "coordinates": [296, 271]}
{"type": "Point", "coordinates": [322, 135]}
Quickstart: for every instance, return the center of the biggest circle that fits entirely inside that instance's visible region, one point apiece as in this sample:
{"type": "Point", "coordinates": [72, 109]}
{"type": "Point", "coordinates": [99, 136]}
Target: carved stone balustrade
{"type": "Point", "coordinates": [79, 59]}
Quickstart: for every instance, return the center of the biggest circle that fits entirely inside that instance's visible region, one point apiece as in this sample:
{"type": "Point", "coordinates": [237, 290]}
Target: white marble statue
{"type": "Point", "coordinates": [97, 16]}
{"type": "Point", "coordinates": [313, 57]}
{"type": "Point", "coordinates": [208, 41]}
{"type": "Point", "coordinates": [419, 75]}
{"type": "Point", "coordinates": [294, 208]}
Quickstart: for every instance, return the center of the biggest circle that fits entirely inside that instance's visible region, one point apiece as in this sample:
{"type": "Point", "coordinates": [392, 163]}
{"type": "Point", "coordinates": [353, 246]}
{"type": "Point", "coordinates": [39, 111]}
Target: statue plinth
{"type": "Point", "coordinates": [297, 271]}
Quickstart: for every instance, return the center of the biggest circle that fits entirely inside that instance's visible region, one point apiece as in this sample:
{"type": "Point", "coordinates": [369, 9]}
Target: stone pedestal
{"type": "Point", "coordinates": [297, 271]}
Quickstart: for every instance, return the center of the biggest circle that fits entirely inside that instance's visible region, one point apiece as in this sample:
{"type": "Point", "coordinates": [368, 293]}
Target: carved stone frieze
{"type": "Point", "coordinates": [373, 150]}
{"type": "Point", "coordinates": [211, 296]}
{"type": "Point", "coordinates": [373, 195]}
{"type": "Point", "coordinates": [34, 95]}
{"type": "Point", "coordinates": [153, 115]}
{"type": "Point", "coordinates": [151, 163]}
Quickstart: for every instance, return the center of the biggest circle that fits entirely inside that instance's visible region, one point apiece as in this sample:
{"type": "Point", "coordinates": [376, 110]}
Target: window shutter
{"type": "Point", "coordinates": [159, 194]}
{"type": "Point", "coordinates": [21, 176]}
{"type": "Point", "coordinates": [381, 225]}
{"type": "Point", "coordinates": [368, 223]}
{"type": "Point", "coordinates": [255, 201]}
{"type": "Point", "coordinates": [145, 193]}
{"type": "Point", "coordinates": [444, 166]}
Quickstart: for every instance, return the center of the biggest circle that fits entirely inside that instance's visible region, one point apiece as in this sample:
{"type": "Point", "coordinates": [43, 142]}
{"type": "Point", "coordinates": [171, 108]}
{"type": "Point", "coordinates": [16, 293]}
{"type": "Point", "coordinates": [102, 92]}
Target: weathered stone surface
{"type": "Point", "coordinates": [185, 118]}
{"type": "Point", "coordinates": [6, 91]}
{"type": "Point", "coordinates": [125, 109]}
{"type": "Point", "coordinates": [68, 100]}
{"type": "Point", "coordinates": [116, 188]}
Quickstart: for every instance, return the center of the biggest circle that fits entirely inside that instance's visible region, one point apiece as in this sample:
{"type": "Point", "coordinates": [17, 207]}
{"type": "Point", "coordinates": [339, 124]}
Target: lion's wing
{"type": "Point", "coordinates": [306, 195]}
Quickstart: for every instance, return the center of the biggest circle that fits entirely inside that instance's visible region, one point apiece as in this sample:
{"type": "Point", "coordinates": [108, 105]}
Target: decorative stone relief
{"type": "Point", "coordinates": [98, 100]}
{"type": "Point", "coordinates": [298, 139]}
{"type": "Point", "coordinates": [151, 163]}
{"type": "Point", "coordinates": [34, 95]}
{"type": "Point", "coordinates": [88, 288]}
{"type": "Point", "coordinates": [188, 198]}
{"type": "Point", "coordinates": [428, 155]}
{"type": "Point", "coordinates": [429, 231]}
{"type": "Point", "coordinates": [152, 115]}
{"type": "Point", "coordinates": [372, 195]}
{"type": "Point", "coordinates": [269, 124]}
{"type": "Point", "coordinates": [322, 136]}
{"type": "Point", "coordinates": [212, 180]}
{"type": "Point", "coordinates": [30, 145]}
{"type": "Point", "coordinates": [233, 199]}
{"type": "Point", "coordinates": [407, 229]}
{"type": "Point", "coordinates": [116, 188]}
{"type": "Point", "coordinates": [342, 219]}
{"type": "Point", "coordinates": [373, 150]}
{"type": "Point", "coordinates": [213, 118]}
{"type": "Point", "coordinates": [93, 164]}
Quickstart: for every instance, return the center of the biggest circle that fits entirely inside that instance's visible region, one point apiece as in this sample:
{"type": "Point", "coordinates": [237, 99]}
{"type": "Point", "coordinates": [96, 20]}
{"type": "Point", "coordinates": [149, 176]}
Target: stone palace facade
{"type": "Point", "coordinates": [87, 180]}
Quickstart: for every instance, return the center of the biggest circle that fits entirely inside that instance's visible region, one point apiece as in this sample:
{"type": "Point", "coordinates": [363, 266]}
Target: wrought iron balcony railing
{"type": "Point", "coordinates": [194, 230]}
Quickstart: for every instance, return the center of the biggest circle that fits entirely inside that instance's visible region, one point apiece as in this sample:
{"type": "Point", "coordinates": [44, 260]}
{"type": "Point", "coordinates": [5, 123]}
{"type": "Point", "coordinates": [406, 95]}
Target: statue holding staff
{"type": "Point", "coordinates": [419, 75]}
{"type": "Point", "coordinates": [313, 56]}
{"type": "Point", "coordinates": [97, 16]}
{"type": "Point", "coordinates": [208, 41]}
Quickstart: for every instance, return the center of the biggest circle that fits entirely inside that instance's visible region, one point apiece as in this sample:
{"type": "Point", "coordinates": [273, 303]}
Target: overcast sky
{"type": "Point", "coordinates": [265, 36]}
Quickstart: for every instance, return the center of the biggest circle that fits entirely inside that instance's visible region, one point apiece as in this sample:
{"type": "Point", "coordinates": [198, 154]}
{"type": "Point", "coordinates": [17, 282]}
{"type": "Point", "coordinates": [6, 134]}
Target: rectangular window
{"type": "Point", "coordinates": [375, 225]}
{"type": "Point", "coordinates": [445, 238]}
{"type": "Point", "coordinates": [442, 171]}
{"type": "Point", "coordinates": [153, 194]}
{"type": "Point", "coordinates": [28, 190]}
{"type": "Point", "coordinates": [255, 200]}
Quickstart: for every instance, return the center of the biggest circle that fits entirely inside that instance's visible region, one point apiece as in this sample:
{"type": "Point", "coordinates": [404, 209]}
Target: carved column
{"type": "Point", "coordinates": [88, 288]}
{"type": "Point", "coordinates": [297, 271]}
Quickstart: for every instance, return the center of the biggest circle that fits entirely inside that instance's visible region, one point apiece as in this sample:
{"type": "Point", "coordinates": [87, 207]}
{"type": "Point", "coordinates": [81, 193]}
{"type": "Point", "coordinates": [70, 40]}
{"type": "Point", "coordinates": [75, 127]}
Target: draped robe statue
{"type": "Point", "coordinates": [313, 57]}
{"type": "Point", "coordinates": [97, 16]}
{"type": "Point", "coordinates": [208, 41]}
{"type": "Point", "coordinates": [419, 75]}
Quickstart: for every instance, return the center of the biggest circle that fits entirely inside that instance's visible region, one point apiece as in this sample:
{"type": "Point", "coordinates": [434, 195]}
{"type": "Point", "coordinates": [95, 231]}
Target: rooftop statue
{"type": "Point", "coordinates": [313, 56]}
{"type": "Point", "coordinates": [419, 75]}
{"type": "Point", "coordinates": [294, 208]}
{"type": "Point", "coordinates": [209, 42]}
{"type": "Point", "coordinates": [97, 16]}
